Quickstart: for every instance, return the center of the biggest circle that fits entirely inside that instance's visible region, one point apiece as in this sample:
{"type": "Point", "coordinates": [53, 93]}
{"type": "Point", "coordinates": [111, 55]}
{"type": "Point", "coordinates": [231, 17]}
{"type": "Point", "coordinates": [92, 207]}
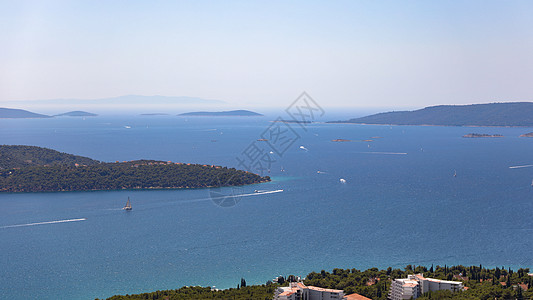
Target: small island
{"type": "Point", "coordinates": [231, 113]}
{"type": "Point", "coordinates": [76, 113]}
{"type": "Point", "coordinates": [35, 169]}
{"type": "Point", "coordinates": [482, 135]}
{"type": "Point", "coordinates": [11, 113]}
{"type": "Point", "coordinates": [341, 140]}
{"type": "Point", "coordinates": [527, 134]}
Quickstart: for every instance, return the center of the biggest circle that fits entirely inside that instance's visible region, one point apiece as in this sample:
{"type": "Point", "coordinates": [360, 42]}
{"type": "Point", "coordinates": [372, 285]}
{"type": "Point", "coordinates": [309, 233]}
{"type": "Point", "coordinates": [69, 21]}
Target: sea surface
{"type": "Point", "coordinates": [400, 204]}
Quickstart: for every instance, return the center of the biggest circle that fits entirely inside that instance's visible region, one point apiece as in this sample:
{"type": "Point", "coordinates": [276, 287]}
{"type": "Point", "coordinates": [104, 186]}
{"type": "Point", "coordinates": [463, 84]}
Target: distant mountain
{"type": "Point", "coordinates": [491, 114]}
{"type": "Point", "coordinates": [76, 113]}
{"type": "Point", "coordinates": [232, 113]}
{"type": "Point", "coordinates": [118, 104]}
{"type": "Point", "coordinates": [17, 156]}
{"type": "Point", "coordinates": [11, 113]}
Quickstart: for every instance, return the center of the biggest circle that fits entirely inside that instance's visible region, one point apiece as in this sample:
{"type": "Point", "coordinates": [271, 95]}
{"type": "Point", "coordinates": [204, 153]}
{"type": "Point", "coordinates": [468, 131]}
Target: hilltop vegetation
{"type": "Point", "coordinates": [265, 292]}
{"type": "Point", "coordinates": [492, 114]}
{"type": "Point", "coordinates": [20, 156]}
{"type": "Point", "coordinates": [35, 169]}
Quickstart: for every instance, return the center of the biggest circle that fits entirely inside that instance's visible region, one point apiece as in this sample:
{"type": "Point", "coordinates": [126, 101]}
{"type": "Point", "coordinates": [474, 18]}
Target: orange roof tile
{"type": "Point", "coordinates": [355, 296]}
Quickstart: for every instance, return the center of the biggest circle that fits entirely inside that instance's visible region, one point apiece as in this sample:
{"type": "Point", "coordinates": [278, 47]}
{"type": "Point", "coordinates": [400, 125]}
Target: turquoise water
{"type": "Point", "coordinates": [394, 209]}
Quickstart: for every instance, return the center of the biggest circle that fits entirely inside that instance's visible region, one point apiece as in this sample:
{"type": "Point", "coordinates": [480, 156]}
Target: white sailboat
{"type": "Point", "coordinates": [128, 205]}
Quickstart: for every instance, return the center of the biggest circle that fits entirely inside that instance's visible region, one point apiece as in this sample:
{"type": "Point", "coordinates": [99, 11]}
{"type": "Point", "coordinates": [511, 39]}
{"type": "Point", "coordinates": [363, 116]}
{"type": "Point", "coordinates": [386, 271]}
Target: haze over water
{"type": "Point", "coordinates": [400, 205]}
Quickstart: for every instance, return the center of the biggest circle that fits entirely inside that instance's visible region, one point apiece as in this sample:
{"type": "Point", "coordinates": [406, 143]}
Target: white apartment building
{"type": "Point", "coordinates": [404, 288]}
{"type": "Point", "coordinates": [299, 291]}
{"type": "Point", "coordinates": [416, 285]}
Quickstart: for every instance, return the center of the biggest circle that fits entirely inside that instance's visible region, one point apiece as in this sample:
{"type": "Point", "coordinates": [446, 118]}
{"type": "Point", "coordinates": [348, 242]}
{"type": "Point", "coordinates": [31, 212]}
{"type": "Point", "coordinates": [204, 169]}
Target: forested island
{"type": "Point", "coordinates": [35, 169]}
{"type": "Point", "coordinates": [491, 114]}
{"type": "Point", "coordinates": [482, 283]}
{"type": "Point", "coordinates": [231, 113]}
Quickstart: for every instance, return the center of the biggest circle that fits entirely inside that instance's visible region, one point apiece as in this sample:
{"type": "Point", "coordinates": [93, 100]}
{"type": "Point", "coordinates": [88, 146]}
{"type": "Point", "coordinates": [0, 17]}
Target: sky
{"type": "Point", "coordinates": [265, 53]}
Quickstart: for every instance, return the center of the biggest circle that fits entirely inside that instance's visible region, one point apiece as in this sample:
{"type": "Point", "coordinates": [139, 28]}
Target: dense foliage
{"type": "Point", "coordinates": [482, 283]}
{"type": "Point", "coordinates": [24, 156]}
{"type": "Point", "coordinates": [492, 114]}
{"type": "Point", "coordinates": [142, 174]}
{"type": "Point", "coordinates": [265, 292]}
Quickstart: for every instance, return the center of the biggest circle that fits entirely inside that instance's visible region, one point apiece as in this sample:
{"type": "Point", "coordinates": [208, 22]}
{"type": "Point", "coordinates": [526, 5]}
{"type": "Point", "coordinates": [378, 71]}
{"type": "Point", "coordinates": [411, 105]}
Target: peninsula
{"type": "Point", "coordinates": [35, 169]}
{"type": "Point", "coordinates": [231, 113]}
{"type": "Point", "coordinates": [527, 134]}
{"type": "Point", "coordinates": [491, 114]}
{"type": "Point", "coordinates": [12, 113]}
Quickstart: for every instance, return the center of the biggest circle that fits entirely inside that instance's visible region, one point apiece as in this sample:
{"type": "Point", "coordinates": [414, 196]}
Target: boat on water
{"type": "Point", "coordinates": [455, 173]}
{"type": "Point", "coordinates": [128, 205]}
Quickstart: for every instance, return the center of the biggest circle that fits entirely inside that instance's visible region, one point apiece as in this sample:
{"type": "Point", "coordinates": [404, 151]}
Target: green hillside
{"type": "Point", "coordinates": [492, 114]}
{"type": "Point", "coordinates": [19, 156]}
{"type": "Point", "coordinates": [35, 169]}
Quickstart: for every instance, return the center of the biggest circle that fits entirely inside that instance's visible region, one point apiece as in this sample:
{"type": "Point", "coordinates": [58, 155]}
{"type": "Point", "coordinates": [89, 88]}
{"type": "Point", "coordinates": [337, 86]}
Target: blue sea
{"type": "Point", "coordinates": [400, 204]}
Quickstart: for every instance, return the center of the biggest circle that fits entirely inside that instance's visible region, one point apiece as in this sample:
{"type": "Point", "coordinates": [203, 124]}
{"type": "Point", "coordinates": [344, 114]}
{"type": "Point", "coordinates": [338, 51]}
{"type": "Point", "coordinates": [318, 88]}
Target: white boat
{"type": "Point", "coordinates": [128, 205]}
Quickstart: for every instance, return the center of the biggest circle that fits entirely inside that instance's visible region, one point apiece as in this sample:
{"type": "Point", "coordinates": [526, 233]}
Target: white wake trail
{"type": "Point", "coordinates": [517, 167]}
{"type": "Point", "coordinates": [43, 223]}
{"type": "Point", "coordinates": [387, 153]}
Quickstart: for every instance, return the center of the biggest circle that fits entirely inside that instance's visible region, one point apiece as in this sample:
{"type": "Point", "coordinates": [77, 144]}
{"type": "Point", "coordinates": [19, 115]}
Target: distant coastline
{"type": "Point", "coordinates": [511, 114]}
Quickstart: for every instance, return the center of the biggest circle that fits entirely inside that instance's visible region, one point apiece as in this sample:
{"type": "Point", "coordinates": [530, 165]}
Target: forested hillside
{"type": "Point", "coordinates": [491, 114]}
{"type": "Point", "coordinates": [19, 156]}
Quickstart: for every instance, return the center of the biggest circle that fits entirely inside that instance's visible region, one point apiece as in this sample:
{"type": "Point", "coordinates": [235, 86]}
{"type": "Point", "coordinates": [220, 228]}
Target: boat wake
{"type": "Point", "coordinates": [517, 167]}
{"type": "Point", "coordinates": [43, 223]}
{"type": "Point", "coordinates": [386, 153]}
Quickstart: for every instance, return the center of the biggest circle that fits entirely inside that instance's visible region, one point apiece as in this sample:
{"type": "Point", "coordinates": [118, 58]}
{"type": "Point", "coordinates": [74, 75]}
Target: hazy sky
{"type": "Point", "coordinates": [265, 53]}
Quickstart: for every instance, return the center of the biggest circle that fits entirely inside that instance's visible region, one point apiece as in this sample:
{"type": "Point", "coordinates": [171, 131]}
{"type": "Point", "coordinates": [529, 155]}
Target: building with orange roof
{"type": "Point", "coordinates": [355, 296]}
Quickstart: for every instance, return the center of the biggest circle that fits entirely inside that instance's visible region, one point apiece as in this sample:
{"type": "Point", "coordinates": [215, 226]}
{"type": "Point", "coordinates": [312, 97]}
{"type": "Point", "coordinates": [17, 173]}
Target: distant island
{"type": "Point", "coordinates": [341, 140]}
{"type": "Point", "coordinates": [491, 114]}
{"type": "Point", "coordinates": [482, 135]}
{"type": "Point", "coordinates": [527, 134]}
{"type": "Point", "coordinates": [12, 113]}
{"type": "Point", "coordinates": [76, 113]}
{"type": "Point", "coordinates": [35, 169]}
{"type": "Point", "coordinates": [231, 113]}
